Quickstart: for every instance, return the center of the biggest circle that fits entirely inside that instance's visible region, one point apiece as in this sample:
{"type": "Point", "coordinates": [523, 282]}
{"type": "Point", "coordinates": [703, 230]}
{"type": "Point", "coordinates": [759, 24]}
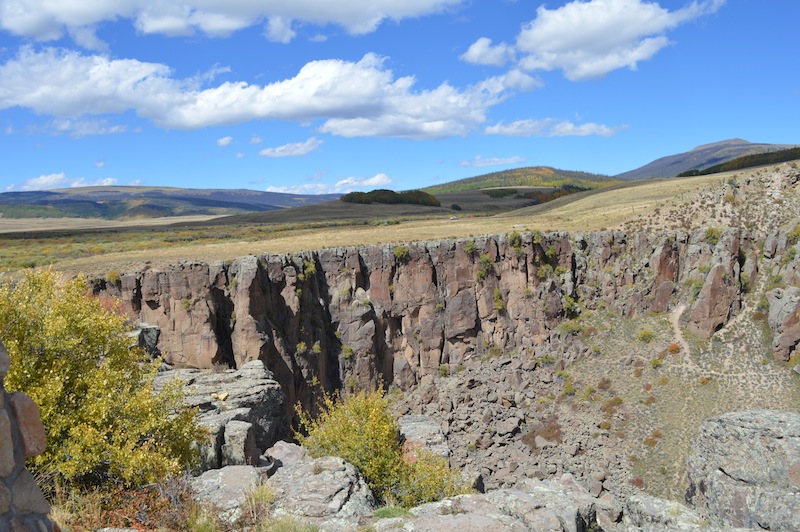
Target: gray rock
{"type": "Point", "coordinates": [326, 491]}
{"type": "Point", "coordinates": [226, 489]}
{"type": "Point", "coordinates": [532, 505]}
{"type": "Point", "coordinates": [644, 512]}
{"type": "Point", "coordinates": [422, 432]}
{"type": "Point", "coordinates": [744, 470]}
{"type": "Point", "coordinates": [240, 444]}
{"type": "Point", "coordinates": [249, 394]}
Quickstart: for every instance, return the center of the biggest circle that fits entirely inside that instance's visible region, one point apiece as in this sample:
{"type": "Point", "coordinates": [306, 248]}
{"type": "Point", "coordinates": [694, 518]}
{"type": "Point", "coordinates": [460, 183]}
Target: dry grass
{"type": "Point", "coordinates": [20, 225]}
{"type": "Point", "coordinates": [605, 209]}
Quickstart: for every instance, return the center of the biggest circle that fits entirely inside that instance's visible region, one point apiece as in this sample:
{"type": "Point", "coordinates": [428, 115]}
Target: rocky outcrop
{"type": "Point", "coordinates": [244, 410]}
{"type": "Point", "coordinates": [784, 321]}
{"type": "Point", "coordinates": [533, 505]}
{"type": "Point", "coordinates": [327, 491]}
{"type": "Point", "coordinates": [22, 436]}
{"type": "Point", "coordinates": [744, 470]}
{"type": "Point", "coordinates": [392, 314]}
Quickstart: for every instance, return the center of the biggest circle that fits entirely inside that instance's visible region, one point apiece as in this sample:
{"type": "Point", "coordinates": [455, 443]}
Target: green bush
{"type": "Point", "coordinates": [360, 429]}
{"type": "Point", "coordinates": [401, 253]}
{"type": "Point", "coordinates": [70, 353]}
{"type": "Point", "coordinates": [646, 335]}
{"type": "Point", "coordinates": [713, 235]}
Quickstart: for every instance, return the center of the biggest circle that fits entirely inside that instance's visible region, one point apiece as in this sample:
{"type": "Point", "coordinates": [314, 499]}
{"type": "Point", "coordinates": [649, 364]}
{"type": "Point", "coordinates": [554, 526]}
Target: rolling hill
{"type": "Point", "coordinates": [120, 203]}
{"type": "Point", "coordinates": [699, 158]}
{"type": "Point", "coordinates": [532, 176]}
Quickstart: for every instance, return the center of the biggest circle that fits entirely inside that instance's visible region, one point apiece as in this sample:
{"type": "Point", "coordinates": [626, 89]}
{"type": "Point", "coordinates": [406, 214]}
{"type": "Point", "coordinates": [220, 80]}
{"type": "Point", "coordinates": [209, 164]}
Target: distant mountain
{"type": "Point", "coordinates": [118, 203]}
{"type": "Point", "coordinates": [699, 158]}
{"type": "Point", "coordinates": [534, 176]}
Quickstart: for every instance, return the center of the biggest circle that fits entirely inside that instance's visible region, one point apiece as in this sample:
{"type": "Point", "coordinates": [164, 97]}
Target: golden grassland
{"type": "Point", "coordinates": [602, 209]}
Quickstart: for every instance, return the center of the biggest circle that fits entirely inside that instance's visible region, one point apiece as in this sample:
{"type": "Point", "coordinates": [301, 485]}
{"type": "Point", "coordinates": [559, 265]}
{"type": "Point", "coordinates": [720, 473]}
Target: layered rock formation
{"type": "Point", "coordinates": [391, 314]}
{"type": "Point", "coordinates": [745, 470]}
{"type": "Point", "coordinates": [244, 411]}
{"type": "Point", "coordinates": [22, 506]}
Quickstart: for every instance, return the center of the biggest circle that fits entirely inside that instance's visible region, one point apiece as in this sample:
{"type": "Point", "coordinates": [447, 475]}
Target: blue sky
{"type": "Point", "coordinates": [318, 96]}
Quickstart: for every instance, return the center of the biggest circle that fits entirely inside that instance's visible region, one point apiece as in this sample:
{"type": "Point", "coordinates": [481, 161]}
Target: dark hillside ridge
{"type": "Point", "coordinates": [146, 202]}
{"type": "Point", "coordinates": [699, 158]}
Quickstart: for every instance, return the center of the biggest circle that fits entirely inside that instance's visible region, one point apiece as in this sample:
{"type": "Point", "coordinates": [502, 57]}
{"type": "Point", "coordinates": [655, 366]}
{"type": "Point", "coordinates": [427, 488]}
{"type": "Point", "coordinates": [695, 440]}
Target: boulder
{"type": "Point", "coordinates": [561, 505]}
{"type": "Point", "coordinates": [226, 489]}
{"type": "Point", "coordinates": [784, 320]}
{"type": "Point", "coordinates": [248, 400]}
{"type": "Point", "coordinates": [422, 432]}
{"type": "Point", "coordinates": [744, 470]}
{"type": "Point", "coordinates": [327, 491]}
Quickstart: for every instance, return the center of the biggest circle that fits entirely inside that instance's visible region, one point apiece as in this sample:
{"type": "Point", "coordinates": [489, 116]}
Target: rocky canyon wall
{"type": "Point", "coordinates": [362, 316]}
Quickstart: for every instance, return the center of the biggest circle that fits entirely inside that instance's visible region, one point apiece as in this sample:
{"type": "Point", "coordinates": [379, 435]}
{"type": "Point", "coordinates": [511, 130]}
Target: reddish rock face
{"type": "Point", "coordinates": [363, 316]}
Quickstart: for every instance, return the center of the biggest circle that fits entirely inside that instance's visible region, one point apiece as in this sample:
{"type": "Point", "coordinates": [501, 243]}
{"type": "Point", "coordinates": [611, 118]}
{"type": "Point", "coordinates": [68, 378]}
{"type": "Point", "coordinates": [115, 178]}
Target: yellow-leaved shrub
{"type": "Point", "coordinates": [71, 354]}
{"type": "Point", "coordinates": [359, 428]}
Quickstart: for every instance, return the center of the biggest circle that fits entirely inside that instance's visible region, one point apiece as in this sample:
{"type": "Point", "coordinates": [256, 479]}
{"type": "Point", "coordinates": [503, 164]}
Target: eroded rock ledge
{"type": "Point", "coordinates": [362, 316]}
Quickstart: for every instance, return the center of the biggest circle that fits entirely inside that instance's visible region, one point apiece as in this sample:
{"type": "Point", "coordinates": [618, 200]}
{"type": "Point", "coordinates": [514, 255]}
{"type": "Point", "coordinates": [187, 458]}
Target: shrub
{"type": "Point", "coordinates": [469, 246]}
{"type": "Point", "coordinates": [646, 335]}
{"type": "Point", "coordinates": [674, 348]}
{"type": "Point", "coordinates": [487, 265]}
{"type": "Point", "coordinates": [656, 363]}
{"type": "Point", "coordinates": [360, 429]}
{"type": "Point", "coordinates": [347, 352]}
{"type": "Point", "coordinates": [455, 207]}
{"type": "Point", "coordinates": [112, 277]}
{"type": "Point", "coordinates": [713, 235]}
{"type": "Point", "coordinates": [499, 305]}
{"type": "Point", "coordinates": [104, 422]}
{"type": "Point", "coordinates": [401, 253]}
{"type": "Point", "coordinates": [444, 371]}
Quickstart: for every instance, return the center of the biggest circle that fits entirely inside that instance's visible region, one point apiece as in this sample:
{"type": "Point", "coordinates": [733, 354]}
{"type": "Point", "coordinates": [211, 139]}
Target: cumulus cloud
{"type": "Point", "coordinates": [60, 180]}
{"type": "Point", "coordinates": [481, 52]}
{"type": "Point", "coordinates": [99, 164]}
{"type": "Point", "coordinates": [589, 38]}
{"type": "Point", "coordinates": [342, 186]}
{"type": "Point", "coordinates": [479, 161]}
{"type": "Point", "coordinates": [225, 141]}
{"type": "Point", "coordinates": [294, 149]}
{"type": "Point", "coordinates": [48, 20]}
{"type": "Point", "coordinates": [550, 127]}
{"type": "Point", "coordinates": [361, 98]}
{"type": "Point", "coordinates": [255, 139]}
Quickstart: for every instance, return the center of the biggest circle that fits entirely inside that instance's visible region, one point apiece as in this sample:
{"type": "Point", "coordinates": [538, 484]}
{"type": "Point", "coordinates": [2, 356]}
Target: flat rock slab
{"type": "Point", "coordinates": [744, 470]}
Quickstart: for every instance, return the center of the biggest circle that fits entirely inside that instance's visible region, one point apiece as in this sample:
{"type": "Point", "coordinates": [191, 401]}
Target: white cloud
{"type": "Point", "coordinates": [342, 186]}
{"type": "Point", "coordinates": [550, 127]}
{"type": "Point", "coordinates": [255, 139]}
{"type": "Point", "coordinates": [82, 128]}
{"type": "Point", "coordinates": [378, 180]}
{"type": "Point", "coordinates": [590, 39]}
{"type": "Point", "coordinates": [60, 180]}
{"type": "Point", "coordinates": [360, 98]}
{"type": "Point", "coordinates": [279, 30]}
{"type": "Point", "coordinates": [47, 20]}
{"type": "Point", "coordinates": [479, 161]}
{"type": "Point", "coordinates": [240, 155]}
{"type": "Point", "coordinates": [294, 149]}
{"type": "Point", "coordinates": [225, 141]}
{"type": "Point", "coordinates": [308, 188]}
{"type": "Point", "coordinates": [481, 52]}
{"type": "Point", "coordinates": [100, 164]}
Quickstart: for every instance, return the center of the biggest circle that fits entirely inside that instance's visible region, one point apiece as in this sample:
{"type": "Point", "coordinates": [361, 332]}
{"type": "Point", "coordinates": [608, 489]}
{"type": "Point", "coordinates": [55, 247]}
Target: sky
{"type": "Point", "coordinates": [317, 96]}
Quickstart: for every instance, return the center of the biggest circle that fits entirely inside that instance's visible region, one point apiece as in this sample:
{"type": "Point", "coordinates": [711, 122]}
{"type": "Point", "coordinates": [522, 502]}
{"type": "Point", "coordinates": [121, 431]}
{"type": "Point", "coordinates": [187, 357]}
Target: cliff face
{"type": "Point", "coordinates": [362, 316]}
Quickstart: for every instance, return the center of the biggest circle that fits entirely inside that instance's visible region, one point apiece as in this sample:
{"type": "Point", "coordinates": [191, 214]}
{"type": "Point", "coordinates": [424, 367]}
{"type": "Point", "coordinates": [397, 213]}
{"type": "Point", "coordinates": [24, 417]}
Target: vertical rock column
{"type": "Point", "coordinates": [23, 508]}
